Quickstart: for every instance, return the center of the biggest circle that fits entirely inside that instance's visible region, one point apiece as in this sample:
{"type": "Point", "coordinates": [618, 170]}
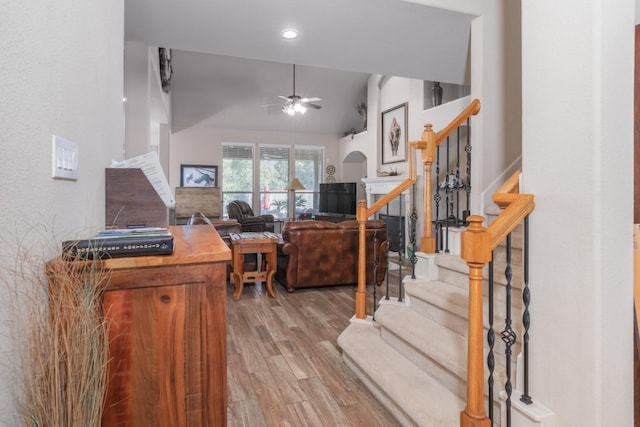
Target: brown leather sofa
{"type": "Point", "coordinates": [320, 253]}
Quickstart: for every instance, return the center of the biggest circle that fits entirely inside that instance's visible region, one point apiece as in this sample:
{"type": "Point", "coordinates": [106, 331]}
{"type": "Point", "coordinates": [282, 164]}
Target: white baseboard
{"type": "Point", "coordinates": [523, 415]}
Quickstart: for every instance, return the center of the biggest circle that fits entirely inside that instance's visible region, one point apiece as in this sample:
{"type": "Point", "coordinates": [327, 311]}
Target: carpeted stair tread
{"type": "Point", "coordinates": [448, 306]}
{"type": "Point", "coordinates": [440, 294]}
{"type": "Point", "coordinates": [452, 262]}
{"type": "Point", "coordinates": [459, 266]}
{"type": "Point", "coordinates": [439, 344]}
{"type": "Point", "coordinates": [422, 398]}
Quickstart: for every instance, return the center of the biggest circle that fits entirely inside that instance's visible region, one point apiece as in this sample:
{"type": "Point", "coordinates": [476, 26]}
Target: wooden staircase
{"type": "Point", "coordinates": [413, 357]}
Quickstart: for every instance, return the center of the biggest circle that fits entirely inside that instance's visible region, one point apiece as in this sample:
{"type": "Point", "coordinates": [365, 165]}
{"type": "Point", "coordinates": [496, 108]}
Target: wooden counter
{"type": "Point", "coordinates": [168, 334]}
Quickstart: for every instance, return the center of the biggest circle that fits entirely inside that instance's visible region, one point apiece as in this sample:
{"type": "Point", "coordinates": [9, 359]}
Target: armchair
{"type": "Point", "coordinates": [242, 212]}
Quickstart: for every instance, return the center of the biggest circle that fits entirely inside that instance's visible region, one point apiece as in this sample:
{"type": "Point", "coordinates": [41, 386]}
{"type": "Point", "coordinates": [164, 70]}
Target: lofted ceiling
{"type": "Point", "coordinates": [229, 59]}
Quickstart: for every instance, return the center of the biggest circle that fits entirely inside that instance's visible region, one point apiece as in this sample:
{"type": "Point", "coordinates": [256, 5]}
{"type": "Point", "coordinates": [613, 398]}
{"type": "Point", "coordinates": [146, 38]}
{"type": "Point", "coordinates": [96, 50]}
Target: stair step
{"type": "Point", "coordinates": [438, 351]}
{"type": "Point", "coordinates": [448, 306]}
{"type": "Point", "coordinates": [439, 301]}
{"type": "Point", "coordinates": [454, 270]}
{"type": "Point", "coordinates": [413, 396]}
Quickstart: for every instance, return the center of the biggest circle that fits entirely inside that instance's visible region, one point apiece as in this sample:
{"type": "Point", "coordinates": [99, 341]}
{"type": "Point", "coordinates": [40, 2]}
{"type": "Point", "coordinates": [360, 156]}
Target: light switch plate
{"type": "Point", "coordinates": [64, 159]}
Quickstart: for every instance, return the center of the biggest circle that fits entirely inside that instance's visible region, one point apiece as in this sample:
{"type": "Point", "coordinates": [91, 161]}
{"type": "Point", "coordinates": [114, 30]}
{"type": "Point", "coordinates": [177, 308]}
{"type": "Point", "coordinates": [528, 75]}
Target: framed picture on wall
{"type": "Point", "coordinates": [198, 176]}
{"type": "Point", "coordinates": [394, 134]}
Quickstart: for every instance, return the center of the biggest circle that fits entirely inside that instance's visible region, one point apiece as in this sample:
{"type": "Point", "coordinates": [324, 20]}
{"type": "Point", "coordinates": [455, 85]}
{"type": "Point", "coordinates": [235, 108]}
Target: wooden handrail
{"type": "Point", "coordinates": [511, 216]}
{"type": "Point", "coordinates": [423, 144]}
{"type": "Point", "coordinates": [472, 109]}
{"type": "Point", "coordinates": [427, 144]}
{"type": "Point", "coordinates": [427, 242]}
{"type": "Point", "coordinates": [511, 185]}
{"type": "Point", "coordinates": [362, 213]}
{"type": "Point", "coordinates": [477, 244]}
{"type": "Point", "coordinates": [404, 185]}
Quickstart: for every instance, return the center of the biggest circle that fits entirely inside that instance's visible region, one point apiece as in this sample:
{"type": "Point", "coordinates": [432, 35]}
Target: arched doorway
{"type": "Point", "coordinates": [354, 168]}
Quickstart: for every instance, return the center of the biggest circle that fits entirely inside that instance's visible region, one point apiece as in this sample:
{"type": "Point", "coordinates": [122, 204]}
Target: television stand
{"type": "Point", "coordinates": [333, 217]}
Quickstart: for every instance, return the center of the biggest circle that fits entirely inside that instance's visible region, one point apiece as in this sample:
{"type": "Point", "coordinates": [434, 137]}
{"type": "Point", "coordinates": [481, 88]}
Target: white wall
{"type": "Point", "coordinates": [61, 74]}
{"type": "Point", "coordinates": [394, 91]}
{"type": "Point", "coordinates": [495, 80]}
{"type": "Point", "coordinates": [136, 91]}
{"type": "Point", "coordinates": [148, 108]}
{"type": "Point", "coordinates": [365, 142]}
{"type": "Point", "coordinates": [203, 146]}
{"type": "Point", "coordinates": [578, 161]}
{"type": "Point", "coordinates": [576, 121]}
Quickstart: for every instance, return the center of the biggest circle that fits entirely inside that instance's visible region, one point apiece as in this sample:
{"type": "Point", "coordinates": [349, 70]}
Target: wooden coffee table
{"type": "Point", "coordinates": [253, 243]}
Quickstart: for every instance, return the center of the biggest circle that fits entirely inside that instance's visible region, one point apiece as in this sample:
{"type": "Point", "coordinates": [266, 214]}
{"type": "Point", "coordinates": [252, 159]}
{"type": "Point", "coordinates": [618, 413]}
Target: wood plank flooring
{"type": "Point", "coordinates": [284, 366]}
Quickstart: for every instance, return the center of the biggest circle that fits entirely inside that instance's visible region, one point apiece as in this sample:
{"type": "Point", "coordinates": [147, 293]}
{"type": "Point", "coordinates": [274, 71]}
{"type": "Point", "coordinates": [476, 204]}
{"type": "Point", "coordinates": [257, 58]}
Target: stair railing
{"type": "Point", "coordinates": [427, 144]}
{"type": "Point", "coordinates": [362, 213]}
{"type": "Point", "coordinates": [477, 245]}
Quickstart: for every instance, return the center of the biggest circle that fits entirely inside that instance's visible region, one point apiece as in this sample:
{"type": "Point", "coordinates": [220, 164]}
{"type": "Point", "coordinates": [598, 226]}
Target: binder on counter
{"type": "Point", "coordinates": [120, 243]}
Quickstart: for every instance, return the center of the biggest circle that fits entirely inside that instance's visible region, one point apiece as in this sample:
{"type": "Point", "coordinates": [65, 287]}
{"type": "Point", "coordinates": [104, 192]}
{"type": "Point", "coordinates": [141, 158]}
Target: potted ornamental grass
{"type": "Point", "coordinates": [60, 337]}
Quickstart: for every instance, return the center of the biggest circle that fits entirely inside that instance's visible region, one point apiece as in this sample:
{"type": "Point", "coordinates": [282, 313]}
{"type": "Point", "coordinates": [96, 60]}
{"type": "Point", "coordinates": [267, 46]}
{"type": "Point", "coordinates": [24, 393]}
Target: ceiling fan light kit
{"type": "Point", "coordinates": [292, 109]}
{"type": "Point", "coordinates": [294, 104]}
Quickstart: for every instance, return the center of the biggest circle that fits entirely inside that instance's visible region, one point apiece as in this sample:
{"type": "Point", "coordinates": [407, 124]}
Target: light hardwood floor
{"type": "Point", "coordinates": [284, 366]}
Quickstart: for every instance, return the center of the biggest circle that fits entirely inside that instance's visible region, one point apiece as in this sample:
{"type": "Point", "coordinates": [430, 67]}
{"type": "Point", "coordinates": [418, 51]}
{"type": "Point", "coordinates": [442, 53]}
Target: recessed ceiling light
{"type": "Point", "coordinates": [289, 33]}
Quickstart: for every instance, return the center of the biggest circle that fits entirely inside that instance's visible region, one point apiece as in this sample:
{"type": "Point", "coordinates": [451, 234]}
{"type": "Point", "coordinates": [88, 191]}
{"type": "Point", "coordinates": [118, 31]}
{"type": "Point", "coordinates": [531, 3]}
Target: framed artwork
{"type": "Point", "coordinates": [394, 134]}
{"type": "Point", "coordinates": [198, 176]}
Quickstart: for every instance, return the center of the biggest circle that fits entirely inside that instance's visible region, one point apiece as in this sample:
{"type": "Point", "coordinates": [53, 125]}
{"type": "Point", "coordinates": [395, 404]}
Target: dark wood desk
{"type": "Point", "coordinates": [168, 363]}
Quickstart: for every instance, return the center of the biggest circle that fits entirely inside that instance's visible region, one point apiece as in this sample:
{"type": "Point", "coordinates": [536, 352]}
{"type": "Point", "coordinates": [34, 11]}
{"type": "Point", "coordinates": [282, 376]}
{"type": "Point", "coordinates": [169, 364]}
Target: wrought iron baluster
{"type": "Point", "coordinates": [467, 149]}
{"type": "Point", "coordinates": [437, 198]}
{"type": "Point", "coordinates": [491, 340]}
{"type": "Point", "coordinates": [447, 192]}
{"type": "Point", "coordinates": [375, 269]}
{"type": "Point", "coordinates": [400, 251]}
{"type": "Point", "coordinates": [446, 232]}
{"type": "Point", "coordinates": [386, 291]}
{"type": "Point", "coordinates": [508, 335]}
{"type": "Point", "coordinates": [526, 321]}
{"type": "Point", "coordinates": [458, 182]}
{"type": "Point", "coordinates": [412, 231]}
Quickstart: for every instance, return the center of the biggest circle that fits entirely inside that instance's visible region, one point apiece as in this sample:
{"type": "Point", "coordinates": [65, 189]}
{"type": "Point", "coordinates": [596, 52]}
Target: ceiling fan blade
{"type": "Point", "coordinates": [314, 106]}
{"type": "Point", "coordinates": [314, 99]}
{"type": "Point", "coordinates": [286, 98]}
{"type": "Point", "coordinates": [274, 103]}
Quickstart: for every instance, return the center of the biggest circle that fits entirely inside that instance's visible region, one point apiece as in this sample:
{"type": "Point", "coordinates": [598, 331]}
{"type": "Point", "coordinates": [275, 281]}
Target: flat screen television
{"type": "Point", "coordinates": [338, 198]}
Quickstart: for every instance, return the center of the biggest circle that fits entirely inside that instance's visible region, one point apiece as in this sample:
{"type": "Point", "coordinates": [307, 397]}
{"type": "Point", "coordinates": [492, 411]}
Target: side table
{"type": "Point", "coordinates": [253, 243]}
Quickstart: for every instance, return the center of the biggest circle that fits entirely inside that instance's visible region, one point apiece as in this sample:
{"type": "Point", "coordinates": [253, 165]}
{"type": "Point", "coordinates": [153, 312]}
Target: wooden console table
{"type": "Point", "coordinates": [254, 243]}
{"type": "Point", "coordinates": [167, 351]}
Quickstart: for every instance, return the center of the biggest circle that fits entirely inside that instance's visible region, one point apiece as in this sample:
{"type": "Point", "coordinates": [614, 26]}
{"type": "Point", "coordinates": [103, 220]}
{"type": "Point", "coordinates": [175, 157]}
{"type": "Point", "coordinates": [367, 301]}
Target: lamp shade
{"type": "Point", "coordinates": [295, 184]}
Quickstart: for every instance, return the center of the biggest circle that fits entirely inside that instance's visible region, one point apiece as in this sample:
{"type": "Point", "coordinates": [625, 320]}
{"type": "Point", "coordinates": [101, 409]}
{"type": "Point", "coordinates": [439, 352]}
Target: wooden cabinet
{"type": "Point", "coordinates": [197, 200]}
{"type": "Point", "coordinates": [168, 334]}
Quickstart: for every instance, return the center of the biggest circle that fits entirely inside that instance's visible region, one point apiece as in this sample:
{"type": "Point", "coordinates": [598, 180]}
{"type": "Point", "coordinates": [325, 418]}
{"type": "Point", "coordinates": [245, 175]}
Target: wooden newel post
{"type": "Point", "coordinates": [361, 293]}
{"type": "Point", "coordinates": [428, 243]}
{"type": "Point", "coordinates": [476, 250]}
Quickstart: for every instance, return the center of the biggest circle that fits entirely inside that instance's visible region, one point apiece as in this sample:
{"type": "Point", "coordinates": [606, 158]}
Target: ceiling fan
{"type": "Point", "coordinates": [296, 104]}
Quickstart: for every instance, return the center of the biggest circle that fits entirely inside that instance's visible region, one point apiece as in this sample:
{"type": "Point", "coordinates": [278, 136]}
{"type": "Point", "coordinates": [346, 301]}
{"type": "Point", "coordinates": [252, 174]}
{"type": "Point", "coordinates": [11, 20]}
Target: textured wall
{"type": "Point", "coordinates": [62, 74]}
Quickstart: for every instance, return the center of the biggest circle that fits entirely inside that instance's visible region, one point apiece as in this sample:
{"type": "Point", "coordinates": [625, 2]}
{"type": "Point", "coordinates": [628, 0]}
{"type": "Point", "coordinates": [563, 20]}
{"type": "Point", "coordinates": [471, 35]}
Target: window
{"type": "Point", "coordinates": [237, 173]}
{"type": "Point", "coordinates": [270, 173]}
{"type": "Point", "coordinates": [308, 169]}
{"type": "Point", "coordinates": [274, 176]}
